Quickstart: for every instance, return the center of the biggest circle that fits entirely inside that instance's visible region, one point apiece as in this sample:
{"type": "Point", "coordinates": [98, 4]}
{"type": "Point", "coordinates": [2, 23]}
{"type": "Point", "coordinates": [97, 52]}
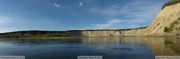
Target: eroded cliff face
{"type": "Point", "coordinates": [169, 17]}
{"type": "Point", "coordinates": [166, 18]}
{"type": "Point", "coordinates": [98, 33]}
{"type": "Point", "coordinates": [134, 32]}
{"type": "Point", "coordinates": [112, 33]}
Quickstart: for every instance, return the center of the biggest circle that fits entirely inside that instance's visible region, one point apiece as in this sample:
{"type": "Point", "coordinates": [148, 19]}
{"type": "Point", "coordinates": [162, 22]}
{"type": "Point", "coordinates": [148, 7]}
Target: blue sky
{"type": "Point", "coordinates": [62, 15]}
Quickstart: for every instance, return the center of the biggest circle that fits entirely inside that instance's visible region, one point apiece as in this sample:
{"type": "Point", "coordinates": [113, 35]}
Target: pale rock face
{"type": "Point", "coordinates": [135, 32]}
{"type": "Point", "coordinates": [164, 19]}
{"type": "Point", "coordinates": [100, 33]}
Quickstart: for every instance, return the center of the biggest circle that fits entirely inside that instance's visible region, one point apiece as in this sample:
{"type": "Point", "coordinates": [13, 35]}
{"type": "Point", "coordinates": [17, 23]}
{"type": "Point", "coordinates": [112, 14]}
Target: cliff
{"type": "Point", "coordinates": [167, 23]}
{"type": "Point", "coordinates": [113, 33]}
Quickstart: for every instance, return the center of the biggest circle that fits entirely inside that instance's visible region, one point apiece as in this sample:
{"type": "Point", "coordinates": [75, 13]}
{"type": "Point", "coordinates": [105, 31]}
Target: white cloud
{"type": "Point", "coordinates": [133, 13]}
{"type": "Point", "coordinates": [114, 21]}
{"type": "Point", "coordinates": [107, 25]}
{"type": "Point", "coordinates": [5, 20]}
{"type": "Point", "coordinates": [80, 4]}
{"type": "Point", "coordinates": [56, 5]}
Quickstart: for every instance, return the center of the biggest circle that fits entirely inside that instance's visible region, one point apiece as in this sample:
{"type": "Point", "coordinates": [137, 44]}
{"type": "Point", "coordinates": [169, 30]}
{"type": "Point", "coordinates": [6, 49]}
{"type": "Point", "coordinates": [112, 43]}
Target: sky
{"type": "Point", "coordinates": [61, 15]}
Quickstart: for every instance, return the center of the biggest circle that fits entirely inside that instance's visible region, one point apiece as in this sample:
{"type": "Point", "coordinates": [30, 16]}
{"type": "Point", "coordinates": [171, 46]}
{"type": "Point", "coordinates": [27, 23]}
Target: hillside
{"type": "Point", "coordinates": [167, 23]}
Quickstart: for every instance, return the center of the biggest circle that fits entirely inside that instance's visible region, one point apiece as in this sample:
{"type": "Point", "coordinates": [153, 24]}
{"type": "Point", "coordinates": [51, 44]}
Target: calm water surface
{"type": "Point", "coordinates": [108, 47]}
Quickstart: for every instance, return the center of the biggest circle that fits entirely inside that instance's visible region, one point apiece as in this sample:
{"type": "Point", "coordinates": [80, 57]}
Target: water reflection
{"type": "Point", "coordinates": [158, 45]}
{"type": "Point", "coordinates": [117, 47]}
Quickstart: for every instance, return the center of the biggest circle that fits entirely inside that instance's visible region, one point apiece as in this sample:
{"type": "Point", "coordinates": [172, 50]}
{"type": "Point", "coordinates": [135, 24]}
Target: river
{"type": "Point", "coordinates": [107, 47]}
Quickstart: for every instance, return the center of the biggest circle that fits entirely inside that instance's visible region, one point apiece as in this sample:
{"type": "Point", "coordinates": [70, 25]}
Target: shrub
{"type": "Point", "coordinates": [158, 24]}
{"type": "Point", "coordinates": [167, 29]}
{"type": "Point", "coordinates": [54, 35]}
{"type": "Point", "coordinates": [175, 22]}
{"type": "Point", "coordinates": [177, 29]}
{"type": "Point", "coordinates": [171, 2]}
{"type": "Point", "coordinates": [172, 25]}
{"type": "Point", "coordinates": [154, 27]}
{"type": "Point", "coordinates": [178, 18]}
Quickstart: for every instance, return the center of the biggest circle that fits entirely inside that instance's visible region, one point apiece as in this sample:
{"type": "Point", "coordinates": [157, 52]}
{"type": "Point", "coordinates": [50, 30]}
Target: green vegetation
{"type": "Point", "coordinates": [54, 35]}
{"type": "Point", "coordinates": [178, 18]}
{"type": "Point", "coordinates": [44, 36]}
{"type": "Point", "coordinates": [172, 26]}
{"type": "Point", "coordinates": [171, 2]}
{"type": "Point", "coordinates": [178, 29]}
{"type": "Point", "coordinates": [158, 24]}
{"type": "Point", "coordinates": [175, 22]}
{"type": "Point", "coordinates": [154, 27]}
{"type": "Point", "coordinates": [167, 29]}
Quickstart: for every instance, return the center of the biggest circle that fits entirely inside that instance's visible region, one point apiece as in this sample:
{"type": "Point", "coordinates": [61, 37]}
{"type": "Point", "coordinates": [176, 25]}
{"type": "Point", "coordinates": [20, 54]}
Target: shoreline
{"type": "Point", "coordinates": [43, 38]}
{"type": "Point", "coordinates": [83, 37]}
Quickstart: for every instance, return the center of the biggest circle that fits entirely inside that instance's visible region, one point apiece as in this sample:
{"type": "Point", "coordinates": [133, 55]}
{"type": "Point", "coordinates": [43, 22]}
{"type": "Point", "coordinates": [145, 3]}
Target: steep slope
{"type": "Point", "coordinates": [167, 18]}
{"type": "Point", "coordinates": [167, 23]}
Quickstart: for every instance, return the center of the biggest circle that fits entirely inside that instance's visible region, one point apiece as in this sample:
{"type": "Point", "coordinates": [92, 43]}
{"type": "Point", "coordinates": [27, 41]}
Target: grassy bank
{"type": "Point", "coordinates": [44, 36]}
